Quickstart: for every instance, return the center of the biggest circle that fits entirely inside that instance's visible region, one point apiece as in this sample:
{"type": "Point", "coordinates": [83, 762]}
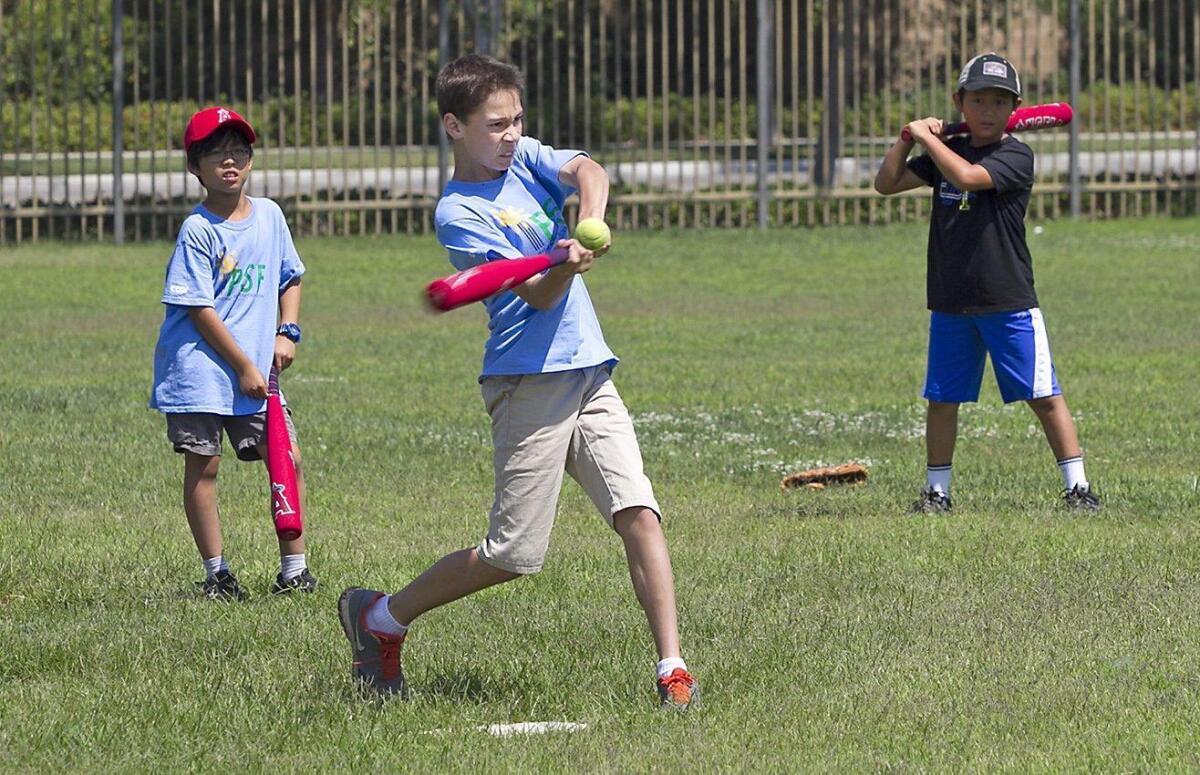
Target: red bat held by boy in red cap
{"type": "Point", "coordinates": [281, 467]}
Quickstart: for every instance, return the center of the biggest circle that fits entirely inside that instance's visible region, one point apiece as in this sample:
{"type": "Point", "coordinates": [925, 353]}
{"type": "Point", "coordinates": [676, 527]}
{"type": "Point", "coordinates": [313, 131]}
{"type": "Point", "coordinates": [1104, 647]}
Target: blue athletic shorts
{"type": "Point", "coordinates": [1017, 343]}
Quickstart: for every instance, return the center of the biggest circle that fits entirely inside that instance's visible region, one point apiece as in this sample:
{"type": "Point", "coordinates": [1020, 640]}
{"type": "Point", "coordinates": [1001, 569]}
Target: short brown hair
{"type": "Point", "coordinates": [467, 82]}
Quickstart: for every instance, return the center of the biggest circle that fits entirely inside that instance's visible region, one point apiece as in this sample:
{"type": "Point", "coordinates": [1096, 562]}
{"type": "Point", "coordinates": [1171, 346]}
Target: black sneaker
{"type": "Point", "coordinates": [932, 502]}
{"type": "Point", "coordinates": [222, 585]}
{"type": "Point", "coordinates": [302, 582]}
{"type": "Point", "coordinates": [1081, 498]}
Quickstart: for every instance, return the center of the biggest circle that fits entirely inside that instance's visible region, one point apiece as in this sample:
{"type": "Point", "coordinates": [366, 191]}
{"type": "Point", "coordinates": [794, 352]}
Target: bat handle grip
{"type": "Point", "coordinates": [273, 382]}
{"type": "Point", "coordinates": [558, 256]}
{"type": "Point", "coordinates": [948, 129]}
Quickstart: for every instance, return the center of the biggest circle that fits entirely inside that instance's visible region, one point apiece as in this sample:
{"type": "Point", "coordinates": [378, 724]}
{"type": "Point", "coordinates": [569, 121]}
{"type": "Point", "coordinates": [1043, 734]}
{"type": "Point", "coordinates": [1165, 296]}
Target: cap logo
{"type": "Point", "coordinates": [222, 115]}
{"type": "Point", "coordinates": [998, 69]}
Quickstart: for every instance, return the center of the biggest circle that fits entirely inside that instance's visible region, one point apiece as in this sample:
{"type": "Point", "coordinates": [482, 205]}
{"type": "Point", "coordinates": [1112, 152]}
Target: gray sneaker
{"type": "Point", "coordinates": [376, 656]}
{"type": "Point", "coordinates": [1081, 498]}
{"type": "Point", "coordinates": [932, 502]}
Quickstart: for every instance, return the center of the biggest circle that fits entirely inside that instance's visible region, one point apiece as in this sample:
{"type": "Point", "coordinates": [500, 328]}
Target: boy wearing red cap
{"type": "Point", "coordinates": [232, 296]}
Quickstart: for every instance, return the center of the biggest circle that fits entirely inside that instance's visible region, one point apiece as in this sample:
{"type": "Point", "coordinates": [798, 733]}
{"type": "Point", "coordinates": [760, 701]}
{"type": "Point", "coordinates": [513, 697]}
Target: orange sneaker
{"type": "Point", "coordinates": [679, 690]}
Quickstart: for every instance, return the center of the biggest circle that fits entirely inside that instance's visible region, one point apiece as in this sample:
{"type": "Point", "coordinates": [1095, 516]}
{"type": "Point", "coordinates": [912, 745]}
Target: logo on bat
{"type": "Point", "coordinates": [1036, 121]}
{"type": "Point", "coordinates": [282, 507]}
{"type": "Point", "coordinates": [1062, 115]}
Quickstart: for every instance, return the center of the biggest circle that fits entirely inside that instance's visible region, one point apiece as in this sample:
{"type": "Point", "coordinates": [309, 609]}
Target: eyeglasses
{"type": "Point", "coordinates": [239, 155]}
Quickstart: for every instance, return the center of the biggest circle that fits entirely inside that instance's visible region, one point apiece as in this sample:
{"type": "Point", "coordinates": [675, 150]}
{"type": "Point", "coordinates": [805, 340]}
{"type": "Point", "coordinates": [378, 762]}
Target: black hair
{"type": "Point", "coordinates": [962, 91]}
{"type": "Point", "coordinates": [215, 141]}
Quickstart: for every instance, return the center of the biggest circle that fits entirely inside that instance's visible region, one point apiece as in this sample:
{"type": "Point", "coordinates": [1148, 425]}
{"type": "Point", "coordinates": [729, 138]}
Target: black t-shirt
{"type": "Point", "coordinates": [978, 259]}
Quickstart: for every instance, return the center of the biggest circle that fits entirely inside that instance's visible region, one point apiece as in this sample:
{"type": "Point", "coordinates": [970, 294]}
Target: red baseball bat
{"type": "Point", "coordinates": [281, 467]}
{"type": "Point", "coordinates": [479, 282]}
{"type": "Point", "coordinates": [1051, 114]}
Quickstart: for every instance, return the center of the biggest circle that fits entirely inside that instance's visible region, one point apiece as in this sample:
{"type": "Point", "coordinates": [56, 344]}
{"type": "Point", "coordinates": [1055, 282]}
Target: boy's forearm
{"type": "Point", "coordinates": [893, 167]}
{"type": "Point", "coordinates": [964, 175]}
{"type": "Point", "coordinates": [289, 303]}
{"type": "Point", "coordinates": [545, 291]}
{"type": "Point", "coordinates": [592, 182]}
{"type": "Point", "coordinates": [209, 324]}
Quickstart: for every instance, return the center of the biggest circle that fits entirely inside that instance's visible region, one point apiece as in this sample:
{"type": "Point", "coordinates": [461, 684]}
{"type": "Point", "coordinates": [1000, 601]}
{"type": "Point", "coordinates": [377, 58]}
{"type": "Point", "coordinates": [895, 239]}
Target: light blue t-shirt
{"type": "Point", "coordinates": [520, 214]}
{"type": "Point", "coordinates": [239, 268]}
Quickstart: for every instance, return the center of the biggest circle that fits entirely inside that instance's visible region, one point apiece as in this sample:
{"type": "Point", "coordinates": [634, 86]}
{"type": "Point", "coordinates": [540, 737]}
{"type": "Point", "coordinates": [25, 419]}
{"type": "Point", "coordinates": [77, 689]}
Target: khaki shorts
{"type": "Point", "coordinates": [200, 433]}
{"type": "Point", "coordinates": [543, 425]}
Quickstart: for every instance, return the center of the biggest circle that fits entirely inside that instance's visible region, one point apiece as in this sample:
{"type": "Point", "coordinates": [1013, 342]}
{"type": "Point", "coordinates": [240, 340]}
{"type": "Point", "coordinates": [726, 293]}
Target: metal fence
{"type": "Point", "coordinates": [705, 112]}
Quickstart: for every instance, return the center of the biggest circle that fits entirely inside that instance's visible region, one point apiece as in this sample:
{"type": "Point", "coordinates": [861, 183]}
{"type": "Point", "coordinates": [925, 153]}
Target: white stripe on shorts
{"type": "Point", "coordinates": [1043, 366]}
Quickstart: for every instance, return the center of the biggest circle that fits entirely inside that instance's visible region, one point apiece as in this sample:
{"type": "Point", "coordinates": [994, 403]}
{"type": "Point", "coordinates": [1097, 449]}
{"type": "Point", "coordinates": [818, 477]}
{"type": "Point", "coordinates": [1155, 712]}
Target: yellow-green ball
{"type": "Point", "coordinates": [592, 233]}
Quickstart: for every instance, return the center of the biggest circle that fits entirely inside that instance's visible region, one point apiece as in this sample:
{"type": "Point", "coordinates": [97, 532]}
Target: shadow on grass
{"type": "Point", "coordinates": [839, 504]}
{"type": "Point", "coordinates": [470, 686]}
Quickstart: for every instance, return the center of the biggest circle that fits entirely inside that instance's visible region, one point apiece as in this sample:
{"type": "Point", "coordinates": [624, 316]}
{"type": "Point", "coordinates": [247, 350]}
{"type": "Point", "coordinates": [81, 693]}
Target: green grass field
{"type": "Point", "coordinates": [830, 630]}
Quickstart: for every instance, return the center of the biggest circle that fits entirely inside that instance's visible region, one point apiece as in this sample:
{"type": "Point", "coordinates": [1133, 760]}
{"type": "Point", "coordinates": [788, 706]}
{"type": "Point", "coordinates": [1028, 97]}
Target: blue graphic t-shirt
{"type": "Point", "coordinates": [239, 268]}
{"type": "Point", "coordinates": [520, 214]}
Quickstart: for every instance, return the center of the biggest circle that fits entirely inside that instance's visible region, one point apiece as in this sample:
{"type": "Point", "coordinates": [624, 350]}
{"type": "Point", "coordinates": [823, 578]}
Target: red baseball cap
{"type": "Point", "coordinates": [209, 120]}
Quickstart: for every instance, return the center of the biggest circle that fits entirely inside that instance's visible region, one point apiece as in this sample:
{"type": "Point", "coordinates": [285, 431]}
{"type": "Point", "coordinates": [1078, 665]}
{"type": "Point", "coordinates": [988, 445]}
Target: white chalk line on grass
{"type": "Point", "coordinates": [521, 728]}
{"type": "Point", "coordinates": [532, 728]}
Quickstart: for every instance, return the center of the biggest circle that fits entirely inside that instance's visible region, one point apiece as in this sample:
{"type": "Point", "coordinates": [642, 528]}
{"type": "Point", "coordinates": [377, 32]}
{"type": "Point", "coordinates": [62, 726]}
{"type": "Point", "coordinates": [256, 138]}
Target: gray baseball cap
{"type": "Point", "coordinates": [989, 71]}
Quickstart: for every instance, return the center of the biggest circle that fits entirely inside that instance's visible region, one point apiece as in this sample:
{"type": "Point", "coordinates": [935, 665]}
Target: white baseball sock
{"type": "Point", "coordinates": [1072, 472]}
{"type": "Point", "coordinates": [214, 564]}
{"type": "Point", "coordinates": [938, 479]}
{"type": "Point", "coordinates": [380, 619]}
{"type": "Point", "coordinates": [670, 664]}
{"type": "Point", "coordinates": [292, 565]}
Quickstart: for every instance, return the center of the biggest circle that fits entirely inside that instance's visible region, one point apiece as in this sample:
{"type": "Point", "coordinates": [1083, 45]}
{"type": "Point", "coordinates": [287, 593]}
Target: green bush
{"type": "Point", "coordinates": [40, 125]}
{"type": "Point", "coordinates": [1105, 106]}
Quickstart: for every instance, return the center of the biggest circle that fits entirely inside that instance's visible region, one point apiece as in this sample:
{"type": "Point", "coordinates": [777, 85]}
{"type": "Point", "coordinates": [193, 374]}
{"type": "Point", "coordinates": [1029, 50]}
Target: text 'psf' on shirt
{"type": "Point", "coordinates": [978, 260]}
{"type": "Point", "coordinates": [519, 214]}
{"type": "Point", "coordinates": [238, 268]}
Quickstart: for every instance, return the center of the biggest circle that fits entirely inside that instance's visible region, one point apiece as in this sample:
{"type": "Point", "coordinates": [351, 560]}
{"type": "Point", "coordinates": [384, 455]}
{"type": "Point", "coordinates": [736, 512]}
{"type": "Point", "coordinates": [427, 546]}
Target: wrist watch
{"type": "Point", "coordinates": [290, 330]}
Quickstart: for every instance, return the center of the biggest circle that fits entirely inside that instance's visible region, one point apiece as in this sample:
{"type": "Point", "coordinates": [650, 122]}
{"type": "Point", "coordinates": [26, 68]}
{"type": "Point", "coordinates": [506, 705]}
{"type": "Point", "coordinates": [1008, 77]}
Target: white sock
{"type": "Point", "coordinates": [669, 665]}
{"type": "Point", "coordinates": [938, 479]}
{"type": "Point", "coordinates": [214, 564]}
{"type": "Point", "coordinates": [1072, 472]}
{"type": "Point", "coordinates": [290, 565]}
{"type": "Point", "coordinates": [380, 619]}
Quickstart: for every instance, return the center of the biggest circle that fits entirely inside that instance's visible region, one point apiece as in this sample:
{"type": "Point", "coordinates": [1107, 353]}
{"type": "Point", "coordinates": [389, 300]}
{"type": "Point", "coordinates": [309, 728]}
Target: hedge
{"type": "Point", "coordinates": [82, 126]}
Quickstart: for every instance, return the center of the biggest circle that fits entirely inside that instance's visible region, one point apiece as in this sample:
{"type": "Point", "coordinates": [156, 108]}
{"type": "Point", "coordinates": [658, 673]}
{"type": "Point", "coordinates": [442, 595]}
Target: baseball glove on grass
{"type": "Point", "coordinates": [818, 478]}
